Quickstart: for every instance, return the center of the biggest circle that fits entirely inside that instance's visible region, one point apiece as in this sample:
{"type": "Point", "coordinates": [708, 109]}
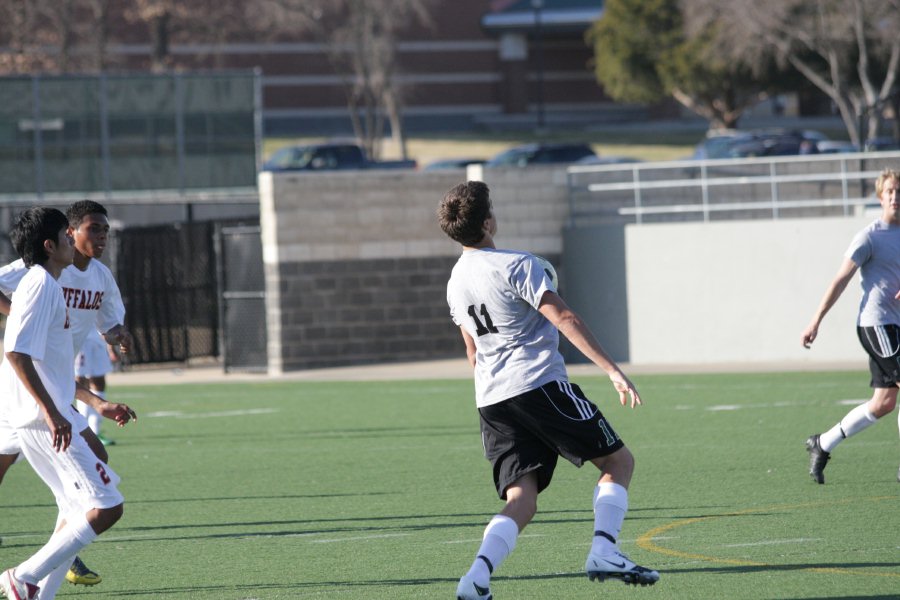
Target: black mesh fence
{"type": "Point", "coordinates": [167, 275]}
{"type": "Point", "coordinates": [243, 300]}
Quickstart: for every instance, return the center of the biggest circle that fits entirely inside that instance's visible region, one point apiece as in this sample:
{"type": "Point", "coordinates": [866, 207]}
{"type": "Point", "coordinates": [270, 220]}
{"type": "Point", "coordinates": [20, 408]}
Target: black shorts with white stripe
{"type": "Point", "coordinates": [882, 344]}
{"type": "Point", "coordinates": [528, 432]}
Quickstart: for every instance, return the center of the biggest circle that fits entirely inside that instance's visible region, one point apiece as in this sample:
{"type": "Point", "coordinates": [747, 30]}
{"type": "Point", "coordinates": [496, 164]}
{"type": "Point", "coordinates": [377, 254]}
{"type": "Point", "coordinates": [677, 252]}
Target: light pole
{"type": "Point", "coordinates": [537, 5]}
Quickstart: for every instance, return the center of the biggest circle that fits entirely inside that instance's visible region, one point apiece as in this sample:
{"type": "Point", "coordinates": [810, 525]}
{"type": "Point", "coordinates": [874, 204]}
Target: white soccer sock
{"type": "Point", "coordinates": [498, 542]}
{"type": "Point", "coordinates": [853, 422]}
{"type": "Point", "coordinates": [92, 416]}
{"type": "Point", "coordinates": [50, 584]}
{"type": "Point", "coordinates": [610, 506]}
{"type": "Point", "coordinates": [62, 545]}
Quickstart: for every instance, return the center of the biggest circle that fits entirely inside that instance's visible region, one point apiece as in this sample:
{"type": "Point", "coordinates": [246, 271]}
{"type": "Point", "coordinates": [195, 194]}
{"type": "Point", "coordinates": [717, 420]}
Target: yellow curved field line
{"type": "Point", "coordinates": [646, 540]}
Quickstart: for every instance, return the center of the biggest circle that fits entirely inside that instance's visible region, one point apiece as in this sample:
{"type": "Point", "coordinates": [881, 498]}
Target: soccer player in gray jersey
{"type": "Point", "coordinates": [875, 252]}
{"type": "Point", "coordinates": [510, 316]}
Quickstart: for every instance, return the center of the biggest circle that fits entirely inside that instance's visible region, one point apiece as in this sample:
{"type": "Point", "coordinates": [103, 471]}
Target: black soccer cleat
{"type": "Point", "coordinates": [818, 458]}
{"type": "Point", "coordinates": [618, 566]}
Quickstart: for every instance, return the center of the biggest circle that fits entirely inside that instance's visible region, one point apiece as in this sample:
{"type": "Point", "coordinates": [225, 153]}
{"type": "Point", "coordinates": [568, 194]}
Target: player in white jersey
{"type": "Point", "coordinates": [94, 303]}
{"type": "Point", "coordinates": [36, 391]}
{"type": "Point", "coordinates": [875, 252]}
{"type": "Point", "coordinates": [510, 317]}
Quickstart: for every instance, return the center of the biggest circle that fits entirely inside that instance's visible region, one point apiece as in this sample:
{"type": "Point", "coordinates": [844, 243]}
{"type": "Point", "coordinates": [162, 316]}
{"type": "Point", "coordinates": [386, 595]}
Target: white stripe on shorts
{"type": "Point", "coordinates": [882, 344]}
{"type": "Point", "coordinates": [583, 407]}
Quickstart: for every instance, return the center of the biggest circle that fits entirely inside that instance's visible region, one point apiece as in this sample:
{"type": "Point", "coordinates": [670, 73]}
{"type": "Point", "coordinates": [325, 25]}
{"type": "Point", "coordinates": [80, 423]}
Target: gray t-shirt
{"type": "Point", "coordinates": [876, 251]}
{"type": "Point", "coordinates": [494, 295]}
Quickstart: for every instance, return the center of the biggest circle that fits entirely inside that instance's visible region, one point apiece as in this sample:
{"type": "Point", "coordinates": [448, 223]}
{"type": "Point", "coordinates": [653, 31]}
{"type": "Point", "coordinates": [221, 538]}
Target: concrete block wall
{"type": "Point", "coordinates": [356, 265]}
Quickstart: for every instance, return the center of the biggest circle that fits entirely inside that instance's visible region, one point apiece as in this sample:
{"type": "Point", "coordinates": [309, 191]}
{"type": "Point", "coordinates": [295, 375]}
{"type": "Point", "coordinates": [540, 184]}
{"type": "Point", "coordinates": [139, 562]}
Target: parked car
{"type": "Point", "coordinates": [718, 143]}
{"type": "Point", "coordinates": [453, 163]}
{"type": "Point", "coordinates": [328, 157]}
{"type": "Point", "coordinates": [777, 143]}
{"type": "Point", "coordinates": [534, 154]}
{"type": "Point", "coordinates": [761, 142]}
{"type": "Point", "coordinates": [882, 143]}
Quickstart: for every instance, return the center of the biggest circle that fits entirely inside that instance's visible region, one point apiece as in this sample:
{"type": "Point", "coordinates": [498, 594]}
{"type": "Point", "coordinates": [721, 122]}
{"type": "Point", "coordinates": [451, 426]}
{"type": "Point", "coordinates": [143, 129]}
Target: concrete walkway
{"type": "Point", "coordinates": [439, 369]}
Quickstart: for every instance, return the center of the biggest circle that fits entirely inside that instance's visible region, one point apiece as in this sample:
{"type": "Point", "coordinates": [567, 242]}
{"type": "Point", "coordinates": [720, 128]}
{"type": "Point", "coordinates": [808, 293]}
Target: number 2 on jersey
{"type": "Point", "coordinates": [482, 328]}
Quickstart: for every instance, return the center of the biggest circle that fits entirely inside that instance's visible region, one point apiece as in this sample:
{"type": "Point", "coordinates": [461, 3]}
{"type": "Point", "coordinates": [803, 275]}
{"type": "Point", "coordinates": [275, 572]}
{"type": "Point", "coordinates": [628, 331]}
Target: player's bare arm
{"type": "Point", "coordinates": [60, 428]}
{"type": "Point", "coordinates": [5, 304]}
{"type": "Point", "coordinates": [121, 337]}
{"type": "Point", "coordinates": [845, 273]}
{"type": "Point", "coordinates": [576, 331]}
{"type": "Point", "coordinates": [114, 411]}
{"type": "Point", "coordinates": [470, 347]}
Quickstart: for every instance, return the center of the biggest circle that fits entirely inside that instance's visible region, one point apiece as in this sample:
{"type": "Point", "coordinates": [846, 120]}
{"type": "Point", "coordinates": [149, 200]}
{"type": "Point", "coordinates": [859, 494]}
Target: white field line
{"type": "Point", "coordinates": [360, 538]}
{"type": "Point", "coordinates": [477, 540]}
{"type": "Point", "coordinates": [177, 414]}
{"type": "Point", "coordinates": [782, 404]}
{"type": "Point", "coordinates": [772, 542]}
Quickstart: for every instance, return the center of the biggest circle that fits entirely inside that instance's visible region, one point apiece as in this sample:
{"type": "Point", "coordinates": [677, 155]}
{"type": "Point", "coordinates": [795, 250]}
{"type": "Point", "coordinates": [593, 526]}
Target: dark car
{"type": "Point", "coordinates": [759, 142]}
{"type": "Point", "coordinates": [778, 143]}
{"type": "Point", "coordinates": [882, 143]}
{"type": "Point", "coordinates": [316, 157]}
{"type": "Point", "coordinates": [718, 144]}
{"type": "Point", "coordinates": [540, 154]}
{"type": "Point", "coordinates": [328, 156]}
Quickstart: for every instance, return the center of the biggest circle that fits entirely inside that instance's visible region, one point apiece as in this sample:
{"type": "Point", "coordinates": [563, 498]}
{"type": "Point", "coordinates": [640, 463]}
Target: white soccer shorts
{"type": "Point", "coordinates": [93, 360]}
{"type": "Point", "coordinates": [78, 479]}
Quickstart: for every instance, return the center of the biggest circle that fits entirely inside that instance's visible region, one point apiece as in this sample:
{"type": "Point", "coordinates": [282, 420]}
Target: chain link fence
{"type": "Point", "coordinates": [121, 133]}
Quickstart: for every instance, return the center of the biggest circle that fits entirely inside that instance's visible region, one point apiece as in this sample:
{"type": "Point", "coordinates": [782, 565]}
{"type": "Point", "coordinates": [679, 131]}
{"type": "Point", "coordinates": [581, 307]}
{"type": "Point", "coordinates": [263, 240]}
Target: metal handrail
{"type": "Point", "coordinates": [852, 169]}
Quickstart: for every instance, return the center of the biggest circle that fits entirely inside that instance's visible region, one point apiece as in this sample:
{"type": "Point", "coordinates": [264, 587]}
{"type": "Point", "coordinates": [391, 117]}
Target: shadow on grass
{"type": "Point", "coordinates": [334, 586]}
{"type": "Point", "coordinates": [450, 582]}
{"type": "Point", "coordinates": [857, 597]}
{"type": "Point", "coordinates": [843, 566]}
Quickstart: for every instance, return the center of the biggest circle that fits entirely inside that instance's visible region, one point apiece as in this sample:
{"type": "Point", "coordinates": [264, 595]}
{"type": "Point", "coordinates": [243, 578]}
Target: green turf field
{"type": "Point", "coordinates": [379, 490]}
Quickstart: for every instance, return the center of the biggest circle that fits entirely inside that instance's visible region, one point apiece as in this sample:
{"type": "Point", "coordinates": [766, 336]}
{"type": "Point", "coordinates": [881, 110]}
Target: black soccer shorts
{"type": "Point", "coordinates": [529, 432]}
{"type": "Point", "coordinates": [882, 344]}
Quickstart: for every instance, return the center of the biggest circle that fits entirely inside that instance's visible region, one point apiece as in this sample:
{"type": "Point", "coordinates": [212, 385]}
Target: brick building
{"type": "Point", "coordinates": [497, 64]}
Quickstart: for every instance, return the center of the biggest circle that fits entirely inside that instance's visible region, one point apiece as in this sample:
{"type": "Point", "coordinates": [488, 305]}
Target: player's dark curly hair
{"type": "Point", "coordinates": [32, 228]}
{"type": "Point", "coordinates": [79, 210]}
{"type": "Point", "coordinates": [463, 211]}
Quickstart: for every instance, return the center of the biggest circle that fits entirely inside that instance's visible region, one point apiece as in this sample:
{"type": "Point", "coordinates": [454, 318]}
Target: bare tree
{"type": "Point", "coordinates": [361, 37]}
{"type": "Point", "coordinates": [217, 22]}
{"type": "Point", "coordinates": [97, 33]}
{"type": "Point", "coordinates": [26, 40]}
{"type": "Point", "coordinates": [849, 49]}
{"type": "Point", "coordinates": [161, 18]}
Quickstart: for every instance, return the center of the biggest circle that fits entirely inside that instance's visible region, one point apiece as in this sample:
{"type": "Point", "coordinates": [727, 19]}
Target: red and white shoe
{"type": "Point", "coordinates": [14, 589]}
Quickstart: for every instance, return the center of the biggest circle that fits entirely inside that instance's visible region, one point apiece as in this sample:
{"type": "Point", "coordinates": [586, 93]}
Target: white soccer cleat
{"type": "Point", "coordinates": [618, 566]}
{"type": "Point", "coordinates": [469, 590]}
{"type": "Point", "coordinates": [14, 589]}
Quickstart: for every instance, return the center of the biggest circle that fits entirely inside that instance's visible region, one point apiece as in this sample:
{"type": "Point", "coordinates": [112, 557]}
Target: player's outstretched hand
{"type": "Point", "coordinates": [120, 413]}
{"type": "Point", "coordinates": [809, 334]}
{"type": "Point", "coordinates": [625, 388]}
{"type": "Point", "coordinates": [60, 431]}
{"type": "Point", "coordinates": [120, 337]}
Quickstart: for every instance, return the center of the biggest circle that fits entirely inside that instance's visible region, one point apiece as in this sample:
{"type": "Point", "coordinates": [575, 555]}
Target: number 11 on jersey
{"type": "Point", "coordinates": [482, 328]}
